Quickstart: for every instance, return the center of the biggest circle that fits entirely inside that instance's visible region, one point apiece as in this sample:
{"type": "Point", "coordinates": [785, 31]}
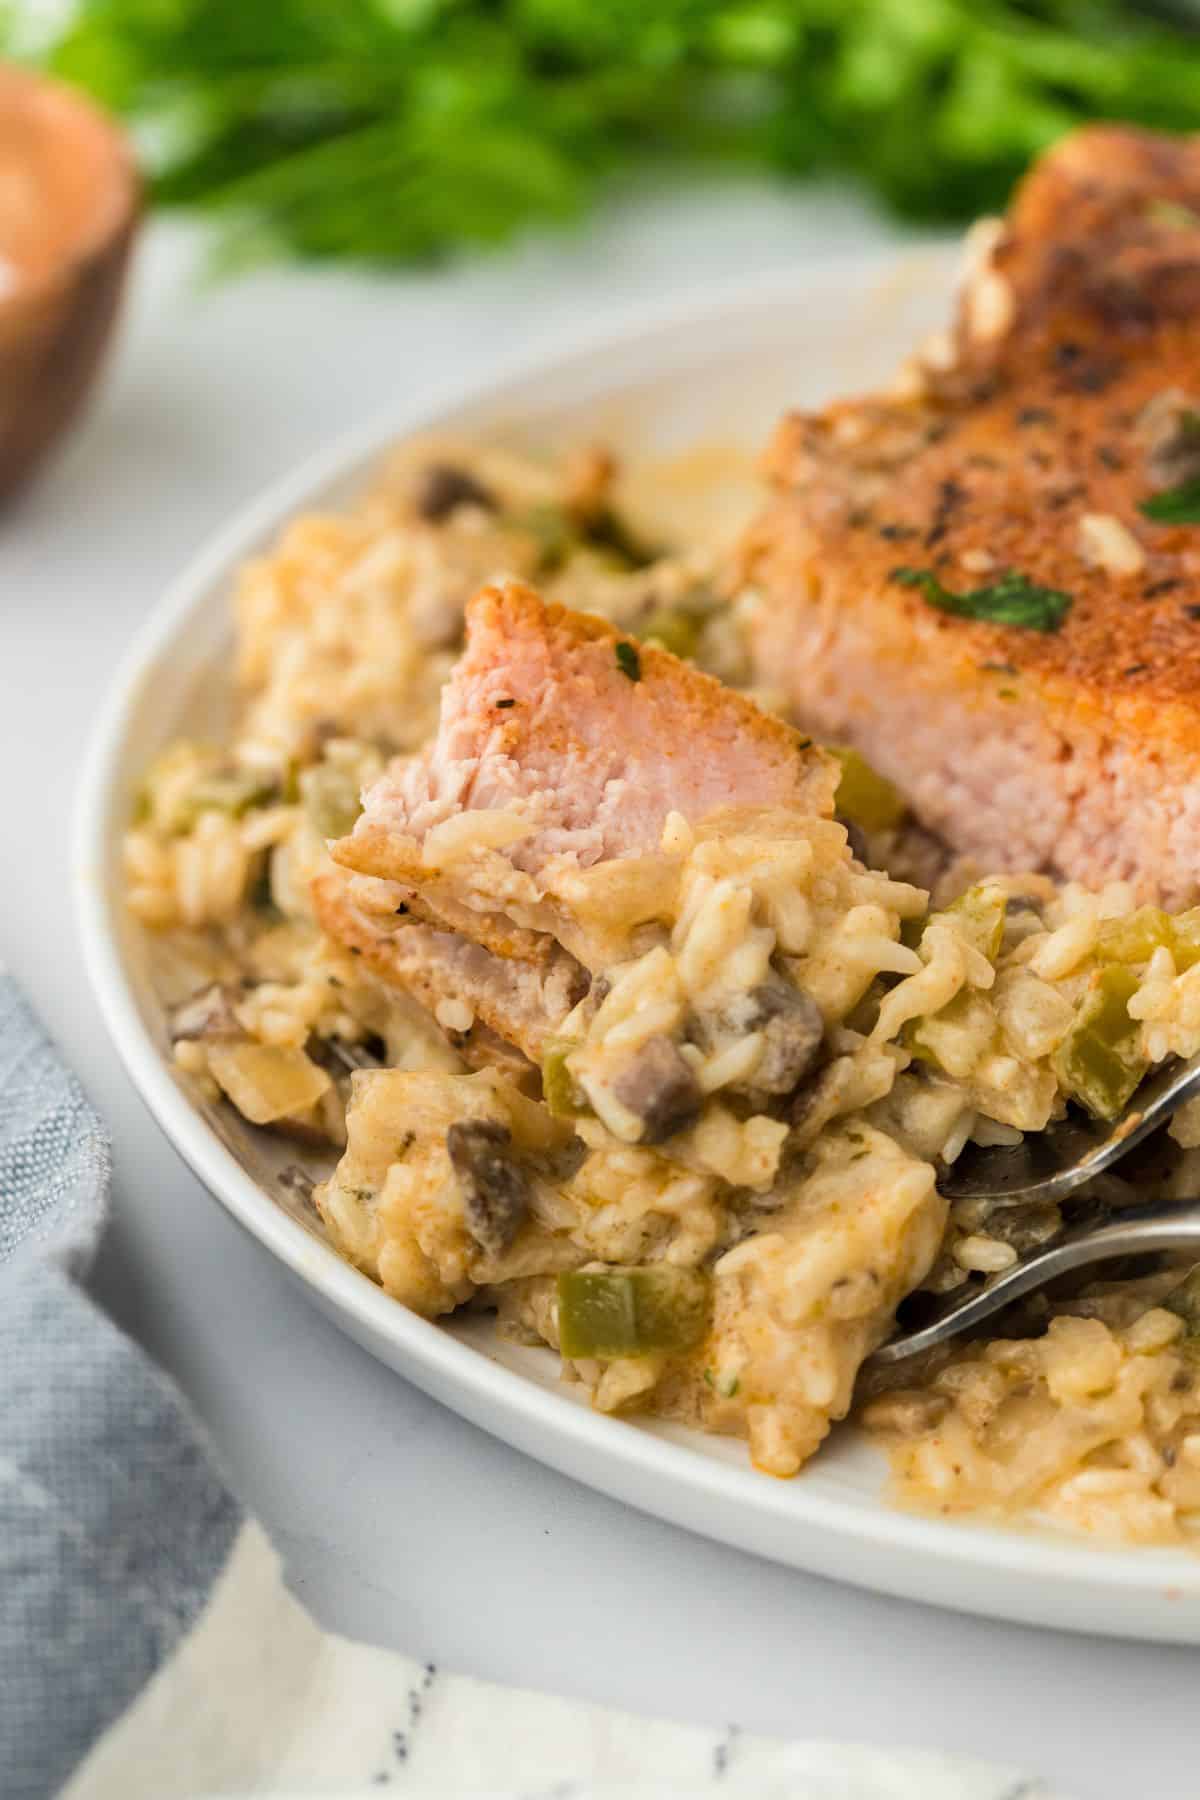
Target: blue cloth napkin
{"type": "Point", "coordinates": [114, 1521]}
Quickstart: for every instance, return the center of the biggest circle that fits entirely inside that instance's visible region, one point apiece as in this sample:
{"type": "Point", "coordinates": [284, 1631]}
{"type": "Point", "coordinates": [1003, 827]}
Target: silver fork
{"type": "Point", "coordinates": [1049, 1166]}
{"type": "Point", "coordinates": [1159, 1225]}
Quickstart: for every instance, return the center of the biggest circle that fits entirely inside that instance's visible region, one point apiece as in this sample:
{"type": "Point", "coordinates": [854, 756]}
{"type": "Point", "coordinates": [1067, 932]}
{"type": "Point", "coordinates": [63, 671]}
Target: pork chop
{"type": "Point", "coordinates": [1007, 481]}
{"type": "Point", "coordinates": [563, 747]}
{"type": "Point", "coordinates": [521, 1002]}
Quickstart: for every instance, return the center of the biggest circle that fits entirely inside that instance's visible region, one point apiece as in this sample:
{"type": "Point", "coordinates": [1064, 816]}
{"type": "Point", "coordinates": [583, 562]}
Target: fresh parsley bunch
{"type": "Point", "coordinates": [393, 130]}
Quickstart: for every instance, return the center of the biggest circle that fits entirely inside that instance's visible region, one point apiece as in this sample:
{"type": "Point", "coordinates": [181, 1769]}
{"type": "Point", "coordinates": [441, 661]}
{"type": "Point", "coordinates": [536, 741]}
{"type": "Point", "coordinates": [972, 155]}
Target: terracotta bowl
{"type": "Point", "coordinates": [68, 213]}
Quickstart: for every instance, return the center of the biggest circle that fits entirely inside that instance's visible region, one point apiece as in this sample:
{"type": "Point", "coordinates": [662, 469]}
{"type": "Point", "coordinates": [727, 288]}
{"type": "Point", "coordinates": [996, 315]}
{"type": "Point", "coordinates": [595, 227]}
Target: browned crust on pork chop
{"type": "Point", "coordinates": [523, 1004]}
{"type": "Point", "coordinates": [1084, 315]}
{"type": "Point", "coordinates": [585, 738]}
{"type": "Point", "coordinates": [375, 850]}
{"type": "Point", "coordinates": [666, 695]}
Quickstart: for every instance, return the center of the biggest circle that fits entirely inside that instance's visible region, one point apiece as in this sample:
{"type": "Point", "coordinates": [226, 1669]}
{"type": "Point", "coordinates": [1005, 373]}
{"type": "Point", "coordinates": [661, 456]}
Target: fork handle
{"type": "Point", "coordinates": [1158, 1225]}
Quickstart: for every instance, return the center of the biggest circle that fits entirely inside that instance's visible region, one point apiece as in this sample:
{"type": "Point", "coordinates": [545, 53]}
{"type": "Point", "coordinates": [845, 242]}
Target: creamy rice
{"type": "Point", "coordinates": [736, 1133]}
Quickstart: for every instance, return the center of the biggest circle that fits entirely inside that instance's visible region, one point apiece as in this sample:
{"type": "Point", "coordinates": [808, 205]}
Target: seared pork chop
{"type": "Point", "coordinates": [1011, 473]}
{"type": "Point", "coordinates": [563, 748]}
{"type": "Point", "coordinates": [522, 1002]}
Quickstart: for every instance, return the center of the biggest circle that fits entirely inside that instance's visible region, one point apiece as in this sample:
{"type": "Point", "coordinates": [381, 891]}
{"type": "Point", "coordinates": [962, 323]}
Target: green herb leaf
{"type": "Point", "coordinates": [1175, 506]}
{"type": "Point", "coordinates": [1011, 600]}
{"type": "Point", "coordinates": [628, 661]}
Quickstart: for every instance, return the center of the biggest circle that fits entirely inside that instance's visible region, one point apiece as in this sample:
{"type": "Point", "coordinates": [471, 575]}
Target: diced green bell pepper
{"type": "Point", "coordinates": [981, 913]}
{"type": "Point", "coordinates": [166, 778]}
{"type": "Point", "coordinates": [564, 1097]}
{"type": "Point", "coordinates": [291, 781]}
{"type": "Point", "coordinates": [1185, 938]}
{"type": "Point", "coordinates": [1135, 939]}
{"type": "Point", "coordinates": [608, 530]}
{"type": "Point", "coordinates": [1184, 1301]}
{"type": "Point", "coordinates": [674, 627]}
{"type": "Point", "coordinates": [232, 794]}
{"type": "Point", "coordinates": [185, 780]}
{"type": "Point", "coordinates": [608, 1313]}
{"type": "Point", "coordinates": [552, 532]}
{"type": "Point", "coordinates": [863, 796]}
{"type": "Point", "coordinates": [331, 799]}
{"type": "Point", "coordinates": [1099, 1063]}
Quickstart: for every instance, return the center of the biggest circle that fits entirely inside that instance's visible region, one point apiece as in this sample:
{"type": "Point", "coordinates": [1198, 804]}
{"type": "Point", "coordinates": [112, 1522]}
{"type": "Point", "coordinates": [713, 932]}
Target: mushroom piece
{"type": "Point", "coordinates": [208, 1013]}
{"type": "Point", "coordinates": [495, 1189]}
{"type": "Point", "coordinates": [443, 487]}
{"type": "Point", "coordinates": [659, 1087]}
{"type": "Point", "coordinates": [297, 1182]}
{"type": "Point", "coordinates": [793, 1028]}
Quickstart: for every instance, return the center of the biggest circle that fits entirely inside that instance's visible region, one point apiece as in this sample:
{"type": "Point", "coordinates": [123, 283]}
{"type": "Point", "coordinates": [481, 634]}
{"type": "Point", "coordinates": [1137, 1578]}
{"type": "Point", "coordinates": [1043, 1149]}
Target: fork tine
{"type": "Point", "coordinates": [351, 1056]}
{"type": "Point", "coordinates": [1158, 1225]}
{"type": "Point", "coordinates": [1050, 1164]}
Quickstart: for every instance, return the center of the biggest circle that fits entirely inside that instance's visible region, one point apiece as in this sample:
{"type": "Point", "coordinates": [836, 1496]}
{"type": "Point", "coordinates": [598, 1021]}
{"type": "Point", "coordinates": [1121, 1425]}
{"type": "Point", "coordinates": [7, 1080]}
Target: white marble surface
{"type": "Point", "coordinates": [398, 1522]}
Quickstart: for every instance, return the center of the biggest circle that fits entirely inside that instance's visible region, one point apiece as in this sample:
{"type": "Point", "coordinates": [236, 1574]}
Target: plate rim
{"type": "Point", "coordinates": [670, 1480]}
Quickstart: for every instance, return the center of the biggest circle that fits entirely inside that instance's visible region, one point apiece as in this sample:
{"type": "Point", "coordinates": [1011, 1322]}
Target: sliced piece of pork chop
{"type": "Point", "coordinates": [563, 747]}
{"type": "Point", "coordinates": [1066, 396]}
{"type": "Point", "coordinates": [522, 1002]}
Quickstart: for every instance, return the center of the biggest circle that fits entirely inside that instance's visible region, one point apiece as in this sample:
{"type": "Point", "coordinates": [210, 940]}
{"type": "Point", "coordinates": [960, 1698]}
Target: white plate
{"type": "Point", "coordinates": [721, 372]}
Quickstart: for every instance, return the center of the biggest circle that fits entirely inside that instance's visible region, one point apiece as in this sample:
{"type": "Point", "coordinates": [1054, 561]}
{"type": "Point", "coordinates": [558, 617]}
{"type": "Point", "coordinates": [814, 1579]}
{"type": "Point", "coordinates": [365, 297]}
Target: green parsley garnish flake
{"type": "Point", "coordinates": [1011, 600]}
{"type": "Point", "coordinates": [629, 662]}
{"type": "Point", "coordinates": [1176, 505]}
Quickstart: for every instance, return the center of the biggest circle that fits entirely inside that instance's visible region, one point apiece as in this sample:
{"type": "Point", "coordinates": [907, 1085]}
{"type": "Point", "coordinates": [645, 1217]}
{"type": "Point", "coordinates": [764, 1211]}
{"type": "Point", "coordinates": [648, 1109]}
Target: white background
{"type": "Point", "coordinates": [398, 1522]}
